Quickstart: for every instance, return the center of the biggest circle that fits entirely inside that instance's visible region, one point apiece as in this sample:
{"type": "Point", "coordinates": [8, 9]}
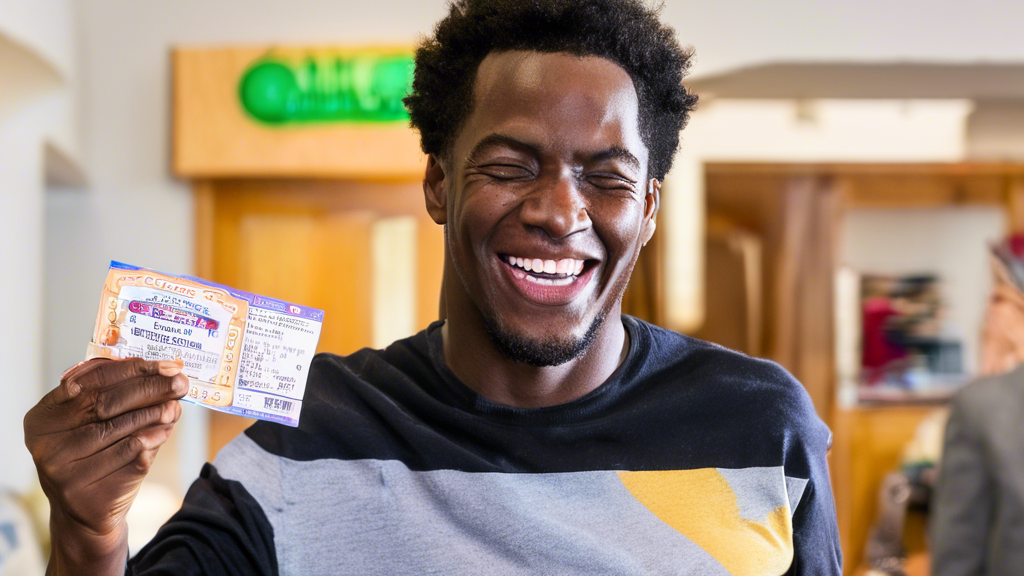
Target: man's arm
{"type": "Point", "coordinates": [220, 529]}
{"type": "Point", "coordinates": [961, 508]}
{"type": "Point", "coordinates": [816, 546]}
{"type": "Point", "coordinates": [816, 549]}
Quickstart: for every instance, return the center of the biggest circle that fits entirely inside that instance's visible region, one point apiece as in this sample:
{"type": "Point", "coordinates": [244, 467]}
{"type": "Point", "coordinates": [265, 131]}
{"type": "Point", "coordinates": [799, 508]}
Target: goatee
{"type": "Point", "coordinates": [541, 352]}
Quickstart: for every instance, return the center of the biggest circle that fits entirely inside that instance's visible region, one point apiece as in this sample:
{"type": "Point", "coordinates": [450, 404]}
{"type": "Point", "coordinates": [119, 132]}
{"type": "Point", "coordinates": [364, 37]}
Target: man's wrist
{"type": "Point", "coordinates": [74, 550]}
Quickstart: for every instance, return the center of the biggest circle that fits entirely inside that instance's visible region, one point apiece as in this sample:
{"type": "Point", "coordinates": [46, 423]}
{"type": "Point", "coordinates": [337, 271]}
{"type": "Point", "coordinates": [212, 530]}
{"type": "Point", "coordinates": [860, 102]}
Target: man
{"type": "Point", "coordinates": [536, 430]}
{"type": "Point", "coordinates": [977, 524]}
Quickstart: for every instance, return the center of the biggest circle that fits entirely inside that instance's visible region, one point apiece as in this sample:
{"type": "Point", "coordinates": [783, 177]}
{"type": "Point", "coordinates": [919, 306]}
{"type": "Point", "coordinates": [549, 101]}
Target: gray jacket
{"type": "Point", "coordinates": [978, 508]}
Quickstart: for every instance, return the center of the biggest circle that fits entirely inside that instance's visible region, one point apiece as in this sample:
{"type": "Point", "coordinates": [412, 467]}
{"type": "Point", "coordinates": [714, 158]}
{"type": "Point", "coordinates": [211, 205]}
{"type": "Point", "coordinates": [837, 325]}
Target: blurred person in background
{"type": "Point", "coordinates": [977, 525]}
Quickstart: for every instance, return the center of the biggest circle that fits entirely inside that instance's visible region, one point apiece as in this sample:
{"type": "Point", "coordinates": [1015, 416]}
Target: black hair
{"type": "Point", "coordinates": [626, 32]}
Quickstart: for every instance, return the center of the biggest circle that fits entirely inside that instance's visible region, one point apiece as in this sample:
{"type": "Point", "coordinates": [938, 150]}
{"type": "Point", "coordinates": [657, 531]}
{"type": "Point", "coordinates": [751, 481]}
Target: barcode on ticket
{"type": "Point", "coordinates": [277, 404]}
{"type": "Point", "coordinates": [256, 404]}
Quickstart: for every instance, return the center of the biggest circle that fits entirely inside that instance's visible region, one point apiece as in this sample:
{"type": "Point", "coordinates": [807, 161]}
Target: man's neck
{"type": "Point", "coordinates": [472, 356]}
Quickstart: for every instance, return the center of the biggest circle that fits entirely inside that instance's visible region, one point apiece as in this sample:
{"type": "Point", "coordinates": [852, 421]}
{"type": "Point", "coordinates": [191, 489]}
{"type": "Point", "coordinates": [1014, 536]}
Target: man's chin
{"type": "Point", "coordinates": [541, 351]}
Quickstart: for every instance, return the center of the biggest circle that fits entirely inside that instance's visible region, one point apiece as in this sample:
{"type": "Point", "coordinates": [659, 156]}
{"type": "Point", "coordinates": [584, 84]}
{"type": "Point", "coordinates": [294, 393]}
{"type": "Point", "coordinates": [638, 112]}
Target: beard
{"type": "Point", "coordinates": [541, 351]}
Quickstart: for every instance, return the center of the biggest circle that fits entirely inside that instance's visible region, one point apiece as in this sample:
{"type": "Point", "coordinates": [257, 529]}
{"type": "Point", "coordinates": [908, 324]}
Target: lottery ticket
{"type": "Point", "coordinates": [243, 353]}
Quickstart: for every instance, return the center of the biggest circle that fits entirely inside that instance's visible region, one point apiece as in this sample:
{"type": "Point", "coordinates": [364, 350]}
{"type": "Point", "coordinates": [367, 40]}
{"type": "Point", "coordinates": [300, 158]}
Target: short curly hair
{"type": "Point", "coordinates": [626, 32]}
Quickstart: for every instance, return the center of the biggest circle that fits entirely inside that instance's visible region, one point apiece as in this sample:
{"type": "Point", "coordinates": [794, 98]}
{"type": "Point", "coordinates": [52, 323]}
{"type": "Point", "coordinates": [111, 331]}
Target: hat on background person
{"type": "Point", "coordinates": [1002, 339]}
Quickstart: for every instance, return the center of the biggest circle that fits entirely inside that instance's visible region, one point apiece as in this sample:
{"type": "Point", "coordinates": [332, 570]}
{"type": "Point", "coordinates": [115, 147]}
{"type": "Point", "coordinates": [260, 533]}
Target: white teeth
{"type": "Point", "coordinates": [568, 266]}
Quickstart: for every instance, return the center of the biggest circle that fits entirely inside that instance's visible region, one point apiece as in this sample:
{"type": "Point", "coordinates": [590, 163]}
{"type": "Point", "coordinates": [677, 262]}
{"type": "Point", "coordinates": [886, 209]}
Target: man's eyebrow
{"type": "Point", "coordinates": [617, 153]}
{"type": "Point", "coordinates": [497, 139]}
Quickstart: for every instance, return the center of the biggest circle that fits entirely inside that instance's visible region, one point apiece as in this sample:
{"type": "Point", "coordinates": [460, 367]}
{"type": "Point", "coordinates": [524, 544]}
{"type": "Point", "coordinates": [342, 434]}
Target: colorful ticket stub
{"type": "Point", "coordinates": [244, 354]}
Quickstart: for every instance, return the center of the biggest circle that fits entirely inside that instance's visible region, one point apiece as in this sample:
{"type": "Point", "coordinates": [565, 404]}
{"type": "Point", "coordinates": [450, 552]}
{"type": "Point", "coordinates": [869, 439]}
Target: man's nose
{"type": "Point", "coordinates": [558, 207]}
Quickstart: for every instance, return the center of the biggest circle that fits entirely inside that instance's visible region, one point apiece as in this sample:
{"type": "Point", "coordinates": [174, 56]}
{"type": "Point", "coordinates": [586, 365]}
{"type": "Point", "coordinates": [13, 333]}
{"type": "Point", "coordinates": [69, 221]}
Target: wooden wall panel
{"type": "Point", "coordinates": [734, 294]}
{"type": "Point", "coordinates": [341, 280]}
{"type": "Point", "coordinates": [645, 295]}
{"type": "Point", "coordinates": [275, 254]}
{"type": "Point", "coordinates": [815, 318]}
{"type": "Point", "coordinates": [429, 271]}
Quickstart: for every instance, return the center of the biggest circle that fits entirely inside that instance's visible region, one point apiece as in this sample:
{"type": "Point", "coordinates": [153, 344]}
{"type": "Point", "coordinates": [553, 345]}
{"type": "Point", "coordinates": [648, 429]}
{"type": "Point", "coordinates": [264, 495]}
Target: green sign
{"type": "Point", "coordinates": [361, 88]}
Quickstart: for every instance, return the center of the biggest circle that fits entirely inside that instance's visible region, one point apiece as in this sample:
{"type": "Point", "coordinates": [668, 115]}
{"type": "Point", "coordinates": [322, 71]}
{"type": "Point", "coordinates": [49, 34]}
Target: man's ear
{"type": "Point", "coordinates": [435, 191]}
{"type": "Point", "coordinates": [652, 201]}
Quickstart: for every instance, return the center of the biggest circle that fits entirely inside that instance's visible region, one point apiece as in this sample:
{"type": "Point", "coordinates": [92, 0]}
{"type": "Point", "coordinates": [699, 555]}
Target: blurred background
{"type": "Point", "coordinates": [831, 206]}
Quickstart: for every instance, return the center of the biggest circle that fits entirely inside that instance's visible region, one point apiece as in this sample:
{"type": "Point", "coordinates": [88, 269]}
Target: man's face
{"type": "Point", "coordinates": [548, 201]}
{"type": "Point", "coordinates": [1002, 342]}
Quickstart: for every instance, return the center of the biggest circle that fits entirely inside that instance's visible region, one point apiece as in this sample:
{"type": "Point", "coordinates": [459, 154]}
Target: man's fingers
{"type": "Point", "coordinates": [107, 461]}
{"type": "Point", "coordinates": [100, 373]}
{"type": "Point", "coordinates": [99, 435]}
{"type": "Point", "coordinates": [69, 386]}
{"type": "Point", "coordinates": [134, 454]}
{"type": "Point", "coordinates": [139, 393]}
{"type": "Point", "coordinates": [100, 392]}
{"type": "Point", "coordinates": [107, 374]}
{"type": "Point", "coordinates": [154, 436]}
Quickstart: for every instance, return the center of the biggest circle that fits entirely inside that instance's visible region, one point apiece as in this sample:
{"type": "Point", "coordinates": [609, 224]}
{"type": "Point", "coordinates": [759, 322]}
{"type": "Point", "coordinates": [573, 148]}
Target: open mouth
{"type": "Point", "coordinates": [549, 281]}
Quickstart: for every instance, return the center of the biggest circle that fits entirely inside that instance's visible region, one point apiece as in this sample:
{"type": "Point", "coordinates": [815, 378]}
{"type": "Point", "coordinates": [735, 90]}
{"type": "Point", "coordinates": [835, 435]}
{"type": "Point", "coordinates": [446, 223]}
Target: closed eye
{"type": "Point", "coordinates": [505, 171]}
{"type": "Point", "coordinates": [611, 181]}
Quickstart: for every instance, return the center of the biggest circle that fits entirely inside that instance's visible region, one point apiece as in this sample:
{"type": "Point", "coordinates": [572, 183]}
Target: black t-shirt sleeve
{"type": "Point", "coordinates": [816, 546]}
{"type": "Point", "coordinates": [220, 529]}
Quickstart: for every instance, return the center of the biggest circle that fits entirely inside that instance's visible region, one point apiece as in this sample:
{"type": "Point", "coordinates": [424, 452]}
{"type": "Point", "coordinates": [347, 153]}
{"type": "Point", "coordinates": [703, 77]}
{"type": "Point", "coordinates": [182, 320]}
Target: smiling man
{"type": "Point", "coordinates": [546, 202]}
{"type": "Point", "coordinates": [535, 430]}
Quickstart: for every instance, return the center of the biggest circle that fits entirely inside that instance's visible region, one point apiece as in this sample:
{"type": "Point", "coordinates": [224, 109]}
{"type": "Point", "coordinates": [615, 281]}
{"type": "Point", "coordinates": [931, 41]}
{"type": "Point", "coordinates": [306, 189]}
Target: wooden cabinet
{"type": "Point", "coordinates": [868, 444]}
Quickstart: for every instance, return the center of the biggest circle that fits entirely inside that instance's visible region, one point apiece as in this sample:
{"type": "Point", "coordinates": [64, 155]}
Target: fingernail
{"type": "Point", "coordinates": [68, 371]}
{"type": "Point", "coordinates": [73, 389]}
{"type": "Point", "coordinates": [169, 367]}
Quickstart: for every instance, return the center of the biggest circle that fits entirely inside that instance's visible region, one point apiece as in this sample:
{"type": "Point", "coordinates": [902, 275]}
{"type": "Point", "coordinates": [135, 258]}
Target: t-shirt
{"type": "Point", "coordinates": [690, 459]}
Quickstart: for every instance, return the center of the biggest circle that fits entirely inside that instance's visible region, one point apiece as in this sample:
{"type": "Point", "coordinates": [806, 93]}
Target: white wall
{"type": "Point", "coordinates": [46, 28]}
{"type": "Point", "coordinates": [21, 257]}
{"type": "Point", "coordinates": [744, 32]}
{"type": "Point", "coordinates": [37, 106]}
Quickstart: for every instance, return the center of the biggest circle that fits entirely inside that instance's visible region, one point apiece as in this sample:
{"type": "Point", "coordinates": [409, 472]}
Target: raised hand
{"type": "Point", "coordinates": [93, 439]}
